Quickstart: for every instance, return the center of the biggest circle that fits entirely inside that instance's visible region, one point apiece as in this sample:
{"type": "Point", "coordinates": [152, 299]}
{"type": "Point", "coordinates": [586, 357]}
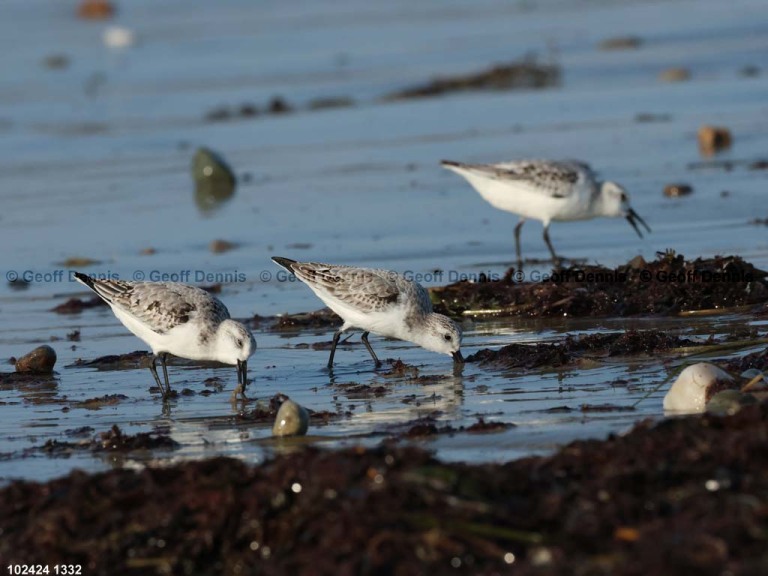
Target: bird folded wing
{"type": "Point", "coordinates": [366, 289]}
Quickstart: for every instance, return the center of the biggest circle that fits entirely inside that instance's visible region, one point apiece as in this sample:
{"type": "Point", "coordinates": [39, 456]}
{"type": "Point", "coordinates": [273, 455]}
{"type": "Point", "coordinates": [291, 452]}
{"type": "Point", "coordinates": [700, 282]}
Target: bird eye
{"type": "Point", "coordinates": [239, 342]}
{"type": "Point", "coordinates": [448, 337]}
{"type": "Point", "coordinates": [624, 197]}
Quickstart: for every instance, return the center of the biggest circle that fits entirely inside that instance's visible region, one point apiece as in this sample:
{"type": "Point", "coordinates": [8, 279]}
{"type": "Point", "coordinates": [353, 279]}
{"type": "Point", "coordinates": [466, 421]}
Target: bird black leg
{"type": "Point", "coordinates": [333, 348]}
{"type": "Point", "coordinates": [555, 257]}
{"type": "Point", "coordinates": [518, 251]}
{"type": "Point", "coordinates": [153, 369]}
{"type": "Point", "coordinates": [163, 359]}
{"type": "Point", "coordinates": [370, 350]}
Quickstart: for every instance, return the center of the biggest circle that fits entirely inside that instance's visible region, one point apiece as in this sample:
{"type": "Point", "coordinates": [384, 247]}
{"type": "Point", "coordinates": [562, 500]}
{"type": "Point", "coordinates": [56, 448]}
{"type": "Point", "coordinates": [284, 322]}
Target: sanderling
{"type": "Point", "coordinates": [177, 319]}
{"type": "Point", "coordinates": [381, 302]}
{"type": "Point", "coordinates": [547, 190]}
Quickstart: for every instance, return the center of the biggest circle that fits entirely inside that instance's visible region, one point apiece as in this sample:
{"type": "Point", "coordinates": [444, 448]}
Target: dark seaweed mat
{"type": "Point", "coordinates": [642, 292]}
{"type": "Point", "coordinates": [571, 349]}
{"type": "Point", "coordinates": [685, 496]}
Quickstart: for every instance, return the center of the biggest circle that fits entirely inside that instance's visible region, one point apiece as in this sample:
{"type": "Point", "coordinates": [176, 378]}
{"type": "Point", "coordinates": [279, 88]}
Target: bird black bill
{"type": "Point", "coordinates": [242, 374]}
{"type": "Point", "coordinates": [633, 218]}
{"type": "Point", "coordinates": [457, 357]}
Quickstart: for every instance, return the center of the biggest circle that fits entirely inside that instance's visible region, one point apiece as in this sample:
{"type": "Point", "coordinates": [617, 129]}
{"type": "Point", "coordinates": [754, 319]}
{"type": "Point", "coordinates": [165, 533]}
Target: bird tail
{"type": "Point", "coordinates": [105, 289]}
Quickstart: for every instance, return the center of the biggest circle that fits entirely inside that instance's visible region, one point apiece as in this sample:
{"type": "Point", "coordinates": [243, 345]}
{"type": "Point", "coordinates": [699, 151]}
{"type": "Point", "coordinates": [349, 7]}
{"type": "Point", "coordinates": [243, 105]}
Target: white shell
{"type": "Point", "coordinates": [689, 392]}
{"type": "Point", "coordinates": [118, 37]}
{"type": "Point", "coordinates": [291, 420]}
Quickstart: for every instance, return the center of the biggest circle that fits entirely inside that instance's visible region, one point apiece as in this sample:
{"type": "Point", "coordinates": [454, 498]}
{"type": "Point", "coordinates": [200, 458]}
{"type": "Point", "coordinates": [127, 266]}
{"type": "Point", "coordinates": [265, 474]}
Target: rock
{"type": "Point", "coordinates": [40, 361]}
{"type": "Point", "coordinates": [291, 420]}
{"type": "Point", "coordinates": [214, 180]}
{"type": "Point", "coordinates": [331, 102]}
{"type": "Point", "coordinates": [56, 61]}
{"type": "Point", "coordinates": [695, 386]}
{"type": "Point", "coordinates": [278, 105]}
{"type": "Point", "coordinates": [78, 262]}
{"type": "Point", "coordinates": [750, 71]}
{"type": "Point", "coordinates": [219, 246]}
{"type": "Point", "coordinates": [677, 190]}
{"type": "Point", "coordinates": [248, 110]}
{"type": "Point", "coordinates": [18, 284]}
{"type": "Point", "coordinates": [713, 139]}
{"type": "Point", "coordinates": [96, 10]}
{"type": "Point", "coordinates": [674, 75]}
{"type": "Point", "coordinates": [621, 43]}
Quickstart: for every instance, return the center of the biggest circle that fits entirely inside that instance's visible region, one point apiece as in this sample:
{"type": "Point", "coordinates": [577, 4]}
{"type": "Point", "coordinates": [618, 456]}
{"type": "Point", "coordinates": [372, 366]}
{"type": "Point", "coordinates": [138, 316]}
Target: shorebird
{"type": "Point", "coordinates": [177, 319]}
{"type": "Point", "coordinates": [381, 302]}
{"type": "Point", "coordinates": [547, 190]}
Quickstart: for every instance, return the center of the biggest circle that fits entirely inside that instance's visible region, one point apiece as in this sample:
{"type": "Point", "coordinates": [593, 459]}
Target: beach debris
{"type": "Point", "coordinates": [96, 10]}
{"type": "Point", "coordinates": [524, 73]}
{"type": "Point", "coordinates": [56, 61]}
{"type": "Point", "coordinates": [78, 262]}
{"type": "Point", "coordinates": [677, 190]}
{"type": "Point", "coordinates": [621, 43]}
{"type": "Point", "coordinates": [220, 246]}
{"type": "Point", "coordinates": [77, 305]}
{"type": "Point", "coordinates": [675, 75]}
{"type": "Point", "coordinates": [713, 139]}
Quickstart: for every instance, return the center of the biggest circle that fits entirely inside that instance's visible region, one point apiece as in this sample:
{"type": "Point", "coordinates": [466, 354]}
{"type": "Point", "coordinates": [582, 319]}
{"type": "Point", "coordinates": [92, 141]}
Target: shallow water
{"type": "Point", "coordinates": [95, 162]}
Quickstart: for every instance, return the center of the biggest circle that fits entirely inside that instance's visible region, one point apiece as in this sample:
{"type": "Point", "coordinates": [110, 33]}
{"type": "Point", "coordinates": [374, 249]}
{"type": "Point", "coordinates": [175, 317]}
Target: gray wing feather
{"type": "Point", "coordinates": [161, 305]}
{"type": "Point", "coordinates": [554, 178]}
{"type": "Point", "coordinates": [367, 289]}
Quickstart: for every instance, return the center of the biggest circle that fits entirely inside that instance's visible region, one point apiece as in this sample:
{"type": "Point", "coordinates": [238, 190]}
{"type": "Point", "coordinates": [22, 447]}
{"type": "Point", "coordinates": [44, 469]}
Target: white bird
{"type": "Point", "coordinates": [177, 319]}
{"type": "Point", "coordinates": [381, 302]}
{"type": "Point", "coordinates": [547, 190]}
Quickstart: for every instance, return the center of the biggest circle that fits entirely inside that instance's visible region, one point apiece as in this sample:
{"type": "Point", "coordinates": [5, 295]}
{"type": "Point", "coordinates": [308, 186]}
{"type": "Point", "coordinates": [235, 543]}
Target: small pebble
{"type": "Point", "coordinates": [291, 420]}
{"type": "Point", "coordinates": [95, 10]}
{"type": "Point", "coordinates": [750, 71]}
{"type": "Point", "coordinates": [41, 361]}
{"type": "Point", "coordinates": [279, 106]}
{"type": "Point", "coordinates": [56, 61]}
{"type": "Point", "coordinates": [621, 43]}
{"type": "Point", "coordinates": [712, 139]}
{"type": "Point", "coordinates": [332, 102]}
{"type": "Point", "coordinates": [208, 165]}
{"type": "Point", "coordinates": [78, 262]}
{"type": "Point", "coordinates": [219, 246]}
{"type": "Point", "coordinates": [677, 190]}
{"type": "Point", "coordinates": [118, 37]}
{"type": "Point", "coordinates": [674, 75]}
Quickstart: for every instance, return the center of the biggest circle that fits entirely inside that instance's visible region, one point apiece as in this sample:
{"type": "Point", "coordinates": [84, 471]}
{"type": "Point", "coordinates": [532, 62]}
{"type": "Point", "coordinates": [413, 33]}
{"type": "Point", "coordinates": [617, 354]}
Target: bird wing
{"type": "Point", "coordinates": [366, 289]}
{"type": "Point", "coordinates": [160, 305]}
{"type": "Point", "coordinates": [557, 179]}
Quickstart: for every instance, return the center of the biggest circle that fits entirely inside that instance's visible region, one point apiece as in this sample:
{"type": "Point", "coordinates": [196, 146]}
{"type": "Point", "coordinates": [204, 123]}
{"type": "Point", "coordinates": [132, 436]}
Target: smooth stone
{"type": "Point", "coordinates": [690, 391]}
{"type": "Point", "coordinates": [41, 361]}
{"type": "Point", "coordinates": [291, 420]}
{"type": "Point", "coordinates": [214, 180]}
